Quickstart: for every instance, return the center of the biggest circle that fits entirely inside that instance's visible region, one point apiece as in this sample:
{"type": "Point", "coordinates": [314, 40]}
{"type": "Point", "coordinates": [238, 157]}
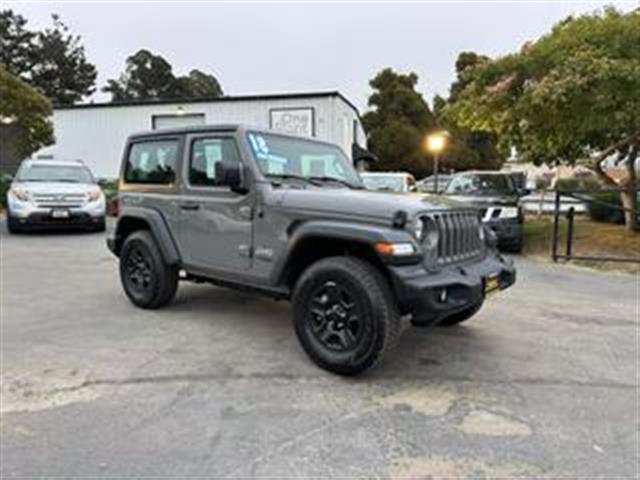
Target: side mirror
{"type": "Point", "coordinates": [229, 174]}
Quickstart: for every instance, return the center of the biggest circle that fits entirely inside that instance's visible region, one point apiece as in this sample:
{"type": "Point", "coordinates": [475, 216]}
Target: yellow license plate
{"type": "Point", "coordinates": [491, 284]}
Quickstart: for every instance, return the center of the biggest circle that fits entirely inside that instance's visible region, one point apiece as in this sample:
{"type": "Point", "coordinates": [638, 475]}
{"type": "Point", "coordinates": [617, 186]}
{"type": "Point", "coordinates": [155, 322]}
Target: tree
{"type": "Point", "coordinates": [53, 60]}
{"type": "Point", "coordinates": [16, 43]}
{"type": "Point", "coordinates": [60, 67]}
{"type": "Point", "coordinates": [571, 95]}
{"type": "Point", "coordinates": [398, 122]}
{"type": "Point", "coordinates": [150, 76]}
{"type": "Point", "coordinates": [146, 76]}
{"type": "Point", "coordinates": [27, 111]}
{"type": "Point", "coordinates": [467, 149]}
{"type": "Point", "coordinates": [197, 85]}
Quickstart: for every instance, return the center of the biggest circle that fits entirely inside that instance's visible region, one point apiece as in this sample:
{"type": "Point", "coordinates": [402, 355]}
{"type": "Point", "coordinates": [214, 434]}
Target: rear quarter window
{"type": "Point", "coordinates": [152, 162]}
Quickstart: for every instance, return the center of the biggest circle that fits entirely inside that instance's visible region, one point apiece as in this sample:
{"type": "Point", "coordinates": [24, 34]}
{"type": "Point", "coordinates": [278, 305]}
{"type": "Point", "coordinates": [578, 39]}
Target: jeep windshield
{"type": "Point", "coordinates": [480, 185]}
{"type": "Point", "coordinates": [297, 159]}
{"type": "Point", "coordinates": [54, 173]}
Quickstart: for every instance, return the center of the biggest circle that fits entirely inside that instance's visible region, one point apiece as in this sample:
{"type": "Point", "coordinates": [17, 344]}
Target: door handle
{"type": "Point", "coordinates": [189, 206]}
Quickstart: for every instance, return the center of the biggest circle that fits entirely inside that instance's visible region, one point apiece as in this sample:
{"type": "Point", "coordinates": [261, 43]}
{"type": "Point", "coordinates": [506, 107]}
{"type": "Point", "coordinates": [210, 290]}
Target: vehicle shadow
{"type": "Point", "coordinates": [422, 352]}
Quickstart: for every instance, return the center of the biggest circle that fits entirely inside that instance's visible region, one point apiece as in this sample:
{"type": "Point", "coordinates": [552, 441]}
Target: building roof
{"type": "Point", "coordinates": [226, 98]}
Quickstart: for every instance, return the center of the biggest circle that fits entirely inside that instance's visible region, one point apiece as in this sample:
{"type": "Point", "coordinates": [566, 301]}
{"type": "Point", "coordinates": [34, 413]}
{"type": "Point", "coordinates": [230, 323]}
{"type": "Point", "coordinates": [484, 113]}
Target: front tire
{"type": "Point", "coordinates": [344, 315]}
{"type": "Point", "coordinates": [147, 279]}
{"type": "Point", "coordinates": [12, 224]}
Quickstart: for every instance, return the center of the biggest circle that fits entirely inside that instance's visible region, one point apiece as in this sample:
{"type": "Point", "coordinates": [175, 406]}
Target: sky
{"type": "Point", "coordinates": [261, 47]}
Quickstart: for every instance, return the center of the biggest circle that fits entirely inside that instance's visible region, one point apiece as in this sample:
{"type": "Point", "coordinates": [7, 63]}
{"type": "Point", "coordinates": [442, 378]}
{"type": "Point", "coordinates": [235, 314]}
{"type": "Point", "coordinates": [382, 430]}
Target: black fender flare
{"type": "Point", "coordinates": [336, 230]}
{"type": "Point", "coordinates": [158, 227]}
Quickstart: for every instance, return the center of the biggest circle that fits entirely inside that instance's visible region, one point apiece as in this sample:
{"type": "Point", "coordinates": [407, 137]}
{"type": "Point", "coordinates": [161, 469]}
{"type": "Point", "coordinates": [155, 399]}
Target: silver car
{"type": "Point", "coordinates": [50, 193]}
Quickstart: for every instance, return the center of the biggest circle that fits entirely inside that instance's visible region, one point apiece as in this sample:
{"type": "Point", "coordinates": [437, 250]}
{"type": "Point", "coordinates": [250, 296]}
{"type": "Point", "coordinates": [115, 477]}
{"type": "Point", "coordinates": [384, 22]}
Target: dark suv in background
{"type": "Point", "coordinates": [498, 199]}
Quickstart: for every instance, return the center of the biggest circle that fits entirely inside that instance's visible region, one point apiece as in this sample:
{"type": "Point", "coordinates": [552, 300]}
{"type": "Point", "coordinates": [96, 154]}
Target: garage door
{"type": "Point", "coordinates": [174, 121]}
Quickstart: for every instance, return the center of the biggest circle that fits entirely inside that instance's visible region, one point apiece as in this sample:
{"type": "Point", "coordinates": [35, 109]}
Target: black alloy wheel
{"type": "Point", "coordinates": [335, 317]}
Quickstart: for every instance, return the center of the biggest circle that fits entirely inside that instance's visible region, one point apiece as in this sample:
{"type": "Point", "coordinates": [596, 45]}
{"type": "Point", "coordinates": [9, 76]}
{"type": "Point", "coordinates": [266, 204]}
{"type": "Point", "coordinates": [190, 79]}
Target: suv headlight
{"type": "Point", "coordinates": [509, 212]}
{"type": "Point", "coordinates": [20, 194]}
{"type": "Point", "coordinates": [94, 195]}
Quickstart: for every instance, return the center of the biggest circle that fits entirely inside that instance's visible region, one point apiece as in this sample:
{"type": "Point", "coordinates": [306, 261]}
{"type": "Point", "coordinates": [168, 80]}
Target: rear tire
{"type": "Point", "coordinates": [344, 315]}
{"type": "Point", "coordinates": [147, 279]}
{"type": "Point", "coordinates": [463, 316]}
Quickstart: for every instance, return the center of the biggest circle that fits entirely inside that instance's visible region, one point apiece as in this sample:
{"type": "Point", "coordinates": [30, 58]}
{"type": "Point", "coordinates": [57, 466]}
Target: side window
{"type": "Point", "coordinates": [152, 162]}
{"type": "Point", "coordinates": [205, 153]}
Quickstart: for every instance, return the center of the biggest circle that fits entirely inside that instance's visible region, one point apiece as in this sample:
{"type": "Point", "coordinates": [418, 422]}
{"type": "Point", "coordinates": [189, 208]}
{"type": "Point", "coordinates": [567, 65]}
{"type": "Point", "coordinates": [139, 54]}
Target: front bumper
{"type": "Point", "coordinates": [420, 292]}
{"type": "Point", "coordinates": [42, 220]}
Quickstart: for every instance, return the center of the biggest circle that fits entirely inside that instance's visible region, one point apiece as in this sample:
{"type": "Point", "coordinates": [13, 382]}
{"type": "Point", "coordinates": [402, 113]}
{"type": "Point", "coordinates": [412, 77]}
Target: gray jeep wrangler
{"type": "Point", "coordinates": [289, 217]}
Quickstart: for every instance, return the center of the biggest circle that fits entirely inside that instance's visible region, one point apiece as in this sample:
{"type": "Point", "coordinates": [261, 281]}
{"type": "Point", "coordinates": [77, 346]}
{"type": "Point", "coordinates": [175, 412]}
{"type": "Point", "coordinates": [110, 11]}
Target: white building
{"type": "Point", "coordinates": [96, 132]}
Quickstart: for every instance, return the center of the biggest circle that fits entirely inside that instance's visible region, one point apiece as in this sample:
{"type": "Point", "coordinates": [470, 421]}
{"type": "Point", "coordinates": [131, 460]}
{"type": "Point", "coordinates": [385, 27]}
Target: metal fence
{"type": "Point", "coordinates": [584, 196]}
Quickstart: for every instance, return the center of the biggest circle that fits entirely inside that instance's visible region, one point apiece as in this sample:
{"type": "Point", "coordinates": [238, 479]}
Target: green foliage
{"type": "Point", "coordinates": [467, 149]}
{"type": "Point", "coordinates": [573, 91]}
{"type": "Point", "coordinates": [16, 43]}
{"type": "Point", "coordinates": [52, 60]}
{"type": "Point", "coordinates": [29, 112]}
{"type": "Point", "coordinates": [150, 76]}
{"type": "Point", "coordinates": [5, 183]}
{"type": "Point", "coordinates": [601, 212]}
{"type": "Point", "coordinates": [397, 123]}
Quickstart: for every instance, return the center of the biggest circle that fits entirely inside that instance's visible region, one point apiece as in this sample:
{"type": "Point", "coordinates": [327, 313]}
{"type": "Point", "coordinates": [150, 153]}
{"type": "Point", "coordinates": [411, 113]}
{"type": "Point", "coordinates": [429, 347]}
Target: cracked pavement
{"type": "Point", "coordinates": [542, 383]}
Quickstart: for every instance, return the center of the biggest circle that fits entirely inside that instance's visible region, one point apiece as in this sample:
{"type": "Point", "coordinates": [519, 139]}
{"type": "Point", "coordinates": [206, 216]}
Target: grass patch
{"type": "Point", "coordinates": [590, 239]}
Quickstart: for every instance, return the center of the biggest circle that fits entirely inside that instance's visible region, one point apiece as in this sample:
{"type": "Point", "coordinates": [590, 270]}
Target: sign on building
{"type": "Point", "coordinates": [294, 121]}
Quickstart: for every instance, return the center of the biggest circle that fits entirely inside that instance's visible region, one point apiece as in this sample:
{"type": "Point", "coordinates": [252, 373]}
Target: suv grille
{"type": "Point", "coordinates": [63, 200]}
{"type": "Point", "coordinates": [459, 236]}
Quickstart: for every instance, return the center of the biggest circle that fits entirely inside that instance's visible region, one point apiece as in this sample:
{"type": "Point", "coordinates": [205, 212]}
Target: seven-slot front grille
{"type": "Point", "coordinates": [62, 200]}
{"type": "Point", "coordinates": [459, 236]}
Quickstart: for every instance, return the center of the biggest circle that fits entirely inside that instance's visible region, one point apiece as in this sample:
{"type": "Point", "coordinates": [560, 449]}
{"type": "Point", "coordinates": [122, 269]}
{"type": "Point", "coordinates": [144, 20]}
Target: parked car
{"type": "Point", "coordinates": [289, 218]}
{"type": "Point", "coordinates": [428, 185]}
{"type": "Point", "coordinates": [498, 199]}
{"type": "Point", "coordinates": [50, 194]}
{"type": "Point", "coordinates": [400, 182]}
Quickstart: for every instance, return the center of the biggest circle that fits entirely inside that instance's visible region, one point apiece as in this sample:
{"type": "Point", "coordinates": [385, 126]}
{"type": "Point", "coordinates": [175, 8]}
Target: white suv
{"type": "Point", "coordinates": [51, 193]}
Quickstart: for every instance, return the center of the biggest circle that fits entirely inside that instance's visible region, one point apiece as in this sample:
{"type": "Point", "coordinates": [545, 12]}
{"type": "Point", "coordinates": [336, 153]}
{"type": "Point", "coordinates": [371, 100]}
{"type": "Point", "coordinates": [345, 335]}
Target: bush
{"type": "Point", "coordinates": [604, 213]}
{"type": "Point", "coordinates": [5, 183]}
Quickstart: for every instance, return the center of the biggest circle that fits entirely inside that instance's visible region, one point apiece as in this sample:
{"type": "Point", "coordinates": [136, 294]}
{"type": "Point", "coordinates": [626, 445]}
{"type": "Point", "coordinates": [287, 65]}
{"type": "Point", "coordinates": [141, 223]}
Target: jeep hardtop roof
{"type": "Point", "coordinates": [225, 127]}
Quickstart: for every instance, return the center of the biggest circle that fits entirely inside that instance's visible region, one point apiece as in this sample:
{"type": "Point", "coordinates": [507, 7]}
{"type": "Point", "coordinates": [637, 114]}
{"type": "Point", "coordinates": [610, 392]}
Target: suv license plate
{"type": "Point", "coordinates": [59, 213]}
{"type": "Point", "coordinates": [491, 284]}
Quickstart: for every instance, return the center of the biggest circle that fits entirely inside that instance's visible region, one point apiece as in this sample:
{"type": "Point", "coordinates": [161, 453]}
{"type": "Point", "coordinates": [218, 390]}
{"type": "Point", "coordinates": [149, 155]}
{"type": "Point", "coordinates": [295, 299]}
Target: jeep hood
{"type": "Point", "coordinates": [364, 203]}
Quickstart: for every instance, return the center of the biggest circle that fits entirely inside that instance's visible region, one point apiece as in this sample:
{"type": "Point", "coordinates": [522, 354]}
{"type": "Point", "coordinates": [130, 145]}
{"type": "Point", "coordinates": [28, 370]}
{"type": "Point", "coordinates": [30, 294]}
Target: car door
{"type": "Point", "coordinates": [215, 221]}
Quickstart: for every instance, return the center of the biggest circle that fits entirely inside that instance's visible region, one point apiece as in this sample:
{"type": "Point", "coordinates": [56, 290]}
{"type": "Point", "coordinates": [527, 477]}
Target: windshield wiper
{"type": "Point", "coordinates": [339, 180]}
{"type": "Point", "coordinates": [291, 176]}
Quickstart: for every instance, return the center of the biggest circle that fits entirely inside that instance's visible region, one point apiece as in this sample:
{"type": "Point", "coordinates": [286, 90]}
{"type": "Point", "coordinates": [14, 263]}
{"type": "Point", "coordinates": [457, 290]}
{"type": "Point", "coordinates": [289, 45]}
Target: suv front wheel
{"type": "Point", "coordinates": [344, 315]}
{"type": "Point", "coordinates": [147, 279]}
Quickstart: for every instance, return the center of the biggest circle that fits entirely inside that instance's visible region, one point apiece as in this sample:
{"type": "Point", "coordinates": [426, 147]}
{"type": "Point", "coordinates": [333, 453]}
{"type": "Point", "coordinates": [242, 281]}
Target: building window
{"type": "Point", "coordinates": [152, 162]}
{"type": "Point", "coordinates": [176, 120]}
{"type": "Point", "coordinates": [205, 154]}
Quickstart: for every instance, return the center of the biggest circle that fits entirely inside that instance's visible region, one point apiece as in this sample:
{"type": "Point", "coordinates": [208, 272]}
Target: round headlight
{"type": "Point", "coordinates": [418, 228]}
{"type": "Point", "coordinates": [432, 234]}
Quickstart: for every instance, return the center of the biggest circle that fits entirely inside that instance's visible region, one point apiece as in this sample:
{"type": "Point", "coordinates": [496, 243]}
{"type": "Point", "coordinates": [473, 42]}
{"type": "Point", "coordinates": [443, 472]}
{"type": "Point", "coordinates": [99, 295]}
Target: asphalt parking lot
{"type": "Point", "coordinates": [542, 383]}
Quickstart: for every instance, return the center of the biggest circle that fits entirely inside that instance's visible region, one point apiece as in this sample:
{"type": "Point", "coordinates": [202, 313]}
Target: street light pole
{"type": "Point", "coordinates": [436, 159]}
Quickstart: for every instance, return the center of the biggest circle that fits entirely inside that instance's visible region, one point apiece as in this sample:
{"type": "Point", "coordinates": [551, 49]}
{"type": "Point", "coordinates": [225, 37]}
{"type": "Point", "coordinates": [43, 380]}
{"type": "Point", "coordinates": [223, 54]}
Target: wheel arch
{"type": "Point", "coordinates": [132, 219]}
{"type": "Point", "coordinates": [313, 241]}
